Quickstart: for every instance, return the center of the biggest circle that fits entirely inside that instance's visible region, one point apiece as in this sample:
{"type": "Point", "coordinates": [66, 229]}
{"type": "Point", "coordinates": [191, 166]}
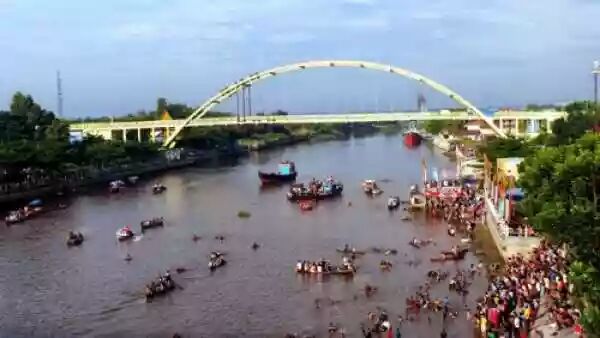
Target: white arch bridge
{"type": "Point", "coordinates": [173, 128]}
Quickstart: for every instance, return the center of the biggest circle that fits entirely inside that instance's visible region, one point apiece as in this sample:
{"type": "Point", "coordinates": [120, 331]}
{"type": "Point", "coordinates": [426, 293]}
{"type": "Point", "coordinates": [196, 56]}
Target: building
{"type": "Point", "coordinates": [478, 130]}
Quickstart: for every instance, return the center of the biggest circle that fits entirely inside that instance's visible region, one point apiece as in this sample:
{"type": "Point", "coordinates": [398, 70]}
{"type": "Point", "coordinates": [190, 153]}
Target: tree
{"type": "Point", "coordinates": [505, 147]}
{"type": "Point", "coordinates": [562, 195]}
{"type": "Point", "coordinates": [582, 116]}
{"type": "Point", "coordinates": [161, 106]}
{"type": "Point", "coordinates": [433, 126]}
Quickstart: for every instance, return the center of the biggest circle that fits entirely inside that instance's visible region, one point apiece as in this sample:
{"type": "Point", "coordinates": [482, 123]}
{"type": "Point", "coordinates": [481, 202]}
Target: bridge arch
{"type": "Point", "coordinates": [235, 87]}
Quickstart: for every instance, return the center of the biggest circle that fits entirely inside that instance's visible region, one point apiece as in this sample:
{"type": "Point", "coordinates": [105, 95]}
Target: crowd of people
{"type": "Point", "coordinates": [513, 299]}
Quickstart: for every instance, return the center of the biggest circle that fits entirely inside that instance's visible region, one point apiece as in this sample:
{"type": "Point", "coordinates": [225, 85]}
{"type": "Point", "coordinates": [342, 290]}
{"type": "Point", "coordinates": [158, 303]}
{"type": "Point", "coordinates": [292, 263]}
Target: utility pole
{"type": "Point", "coordinates": [595, 72]}
{"type": "Point", "coordinates": [59, 95]}
{"type": "Point", "coordinates": [244, 103]}
{"type": "Point", "coordinates": [237, 105]}
{"type": "Point", "coordinates": [250, 100]}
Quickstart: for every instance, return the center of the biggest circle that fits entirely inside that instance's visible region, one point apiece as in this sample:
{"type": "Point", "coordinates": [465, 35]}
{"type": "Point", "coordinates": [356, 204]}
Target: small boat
{"type": "Point", "coordinates": [370, 188]}
{"type": "Point", "coordinates": [316, 190]}
{"type": "Point", "coordinates": [133, 179]}
{"type": "Point", "coordinates": [335, 271]}
{"type": "Point", "coordinates": [115, 186]}
{"type": "Point", "coordinates": [286, 172]}
{"type": "Point", "coordinates": [417, 243]}
{"type": "Point", "coordinates": [350, 251]}
{"type": "Point", "coordinates": [306, 205]}
{"type": "Point", "coordinates": [385, 265]}
{"type": "Point", "coordinates": [393, 202]}
{"type": "Point", "coordinates": [450, 256]}
{"type": "Point", "coordinates": [74, 239]}
{"type": "Point", "coordinates": [159, 287]}
{"type": "Point", "coordinates": [158, 188]}
{"type": "Point", "coordinates": [216, 260]}
{"type": "Point", "coordinates": [14, 217]}
{"type": "Point", "coordinates": [152, 223]}
{"type": "Point", "coordinates": [124, 234]}
{"type": "Point", "coordinates": [384, 251]}
{"type": "Point", "coordinates": [416, 198]}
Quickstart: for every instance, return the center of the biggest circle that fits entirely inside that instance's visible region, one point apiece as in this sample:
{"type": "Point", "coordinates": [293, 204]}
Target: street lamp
{"type": "Point", "coordinates": [595, 72]}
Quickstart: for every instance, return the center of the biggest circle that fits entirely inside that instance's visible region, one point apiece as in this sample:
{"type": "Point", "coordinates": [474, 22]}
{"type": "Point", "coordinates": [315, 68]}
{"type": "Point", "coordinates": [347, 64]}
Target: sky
{"type": "Point", "coordinates": [119, 56]}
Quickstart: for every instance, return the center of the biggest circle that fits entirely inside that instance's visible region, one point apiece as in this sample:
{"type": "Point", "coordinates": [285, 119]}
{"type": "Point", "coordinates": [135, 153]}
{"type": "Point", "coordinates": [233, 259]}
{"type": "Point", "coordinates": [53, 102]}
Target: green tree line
{"type": "Point", "coordinates": [35, 146]}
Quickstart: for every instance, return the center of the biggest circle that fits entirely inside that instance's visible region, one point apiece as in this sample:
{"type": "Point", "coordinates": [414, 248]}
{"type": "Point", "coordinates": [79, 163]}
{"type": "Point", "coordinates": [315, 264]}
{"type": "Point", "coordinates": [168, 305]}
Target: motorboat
{"type": "Point", "coordinates": [286, 172]}
{"type": "Point", "coordinates": [124, 234]}
{"type": "Point", "coordinates": [316, 190]}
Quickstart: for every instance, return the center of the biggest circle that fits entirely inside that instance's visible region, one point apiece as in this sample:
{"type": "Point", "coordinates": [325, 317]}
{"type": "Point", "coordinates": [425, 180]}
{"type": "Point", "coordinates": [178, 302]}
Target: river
{"type": "Point", "coordinates": [47, 289]}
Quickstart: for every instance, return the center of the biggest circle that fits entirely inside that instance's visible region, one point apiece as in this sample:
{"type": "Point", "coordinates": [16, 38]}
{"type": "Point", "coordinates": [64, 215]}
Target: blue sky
{"type": "Point", "coordinates": [118, 56]}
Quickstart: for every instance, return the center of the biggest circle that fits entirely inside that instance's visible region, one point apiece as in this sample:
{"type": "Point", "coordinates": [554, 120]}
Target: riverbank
{"type": "Point", "coordinates": [164, 162]}
{"type": "Point", "coordinates": [270, 140]}
{"type": "Point", "coordinates": [95, 177]}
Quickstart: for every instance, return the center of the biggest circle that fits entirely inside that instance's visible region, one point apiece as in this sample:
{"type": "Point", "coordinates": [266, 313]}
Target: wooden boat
{"type": "Point", "coordinates": [316, 190]}
{"type": "Point", "coordinates": [370, 188]}
{"type": "Point", "coordinates": [115, 186]}
{"type": "Point", "coordinates": [348, 251]}
{"type": "Point", "coordinates": [286, 172]}
{"type": "Point", "coordinates": [75, 239]}
{"type": "Point", "coordinates": [14, 217]}
{"type": "Point", "coordinates": [416, 199]}
{"type": "Point", "coordinates": [158, 189]}
{"type": "Point", "coordinates": [450, 256]}
{"type": "Point", "coordinates": [337, 271]}
{"type": "Point", "coordinates": [152, 223]}
{"type": "Point", "coordinates": [161, 286]}
{"type": "Point", "coordinates": [216, 261]}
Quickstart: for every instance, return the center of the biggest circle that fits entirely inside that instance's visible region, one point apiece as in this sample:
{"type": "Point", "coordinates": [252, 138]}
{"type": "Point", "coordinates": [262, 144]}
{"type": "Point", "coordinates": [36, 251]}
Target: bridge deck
{"type": "Point", "coordinates": [314, 118]}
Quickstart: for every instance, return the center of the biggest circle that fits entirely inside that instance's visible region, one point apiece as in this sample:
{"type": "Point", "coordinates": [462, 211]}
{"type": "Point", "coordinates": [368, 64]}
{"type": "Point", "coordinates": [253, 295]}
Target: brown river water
{"type": "Point", "coordinates": [49, 290]}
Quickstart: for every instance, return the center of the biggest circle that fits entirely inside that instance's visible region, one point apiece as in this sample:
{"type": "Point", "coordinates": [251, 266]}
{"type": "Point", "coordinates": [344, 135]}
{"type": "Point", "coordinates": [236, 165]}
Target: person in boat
{"type": "Point", "coordinates": [414, 241]}
{"type": "Point", "coordinates": [72, 235]}
{"type": "Point", "coordinates": [454, 250]}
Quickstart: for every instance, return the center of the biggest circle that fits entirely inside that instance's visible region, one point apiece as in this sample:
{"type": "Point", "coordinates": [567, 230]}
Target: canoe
{"type": "Point", "coordinates": [349, 252]}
